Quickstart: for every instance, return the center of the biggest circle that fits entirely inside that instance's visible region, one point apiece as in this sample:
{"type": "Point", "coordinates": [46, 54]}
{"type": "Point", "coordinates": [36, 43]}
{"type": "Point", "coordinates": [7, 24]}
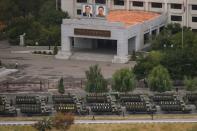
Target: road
{"type": "Point", "coordinates": [20, 123]}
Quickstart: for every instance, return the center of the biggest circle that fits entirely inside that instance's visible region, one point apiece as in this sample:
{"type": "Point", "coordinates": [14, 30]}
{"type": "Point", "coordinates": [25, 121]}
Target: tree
{"type": "Point", "coordinates": [146, 64]}
{"type": "Point", "coordinates": [55, 50]}
{"type": "Point", "coordinates": [123, 80]}
{"type": "Point", "coordinates": [9, 10]}
{"type": "Point", "coordinates": [61, 89]}
{"type": "Point", "coordinates": [133, 57]}
{"type": "Point", "coordinates": [191, 84]}
{"type": "Point", "coordinates": [180, 63]}
{"type": "Point", "coordinates": [63, 121]}
{"type": "Point", "coordinates": [159, 79]}
{"type": "Point", "coordinates": [43, 125]}
{"type": "Point", "coordinates": [172, 36]}
{"type": "Point", "coordinates": [18, 26]}
{"type": "Point", "coordinates": [39, 19]}
{"type": "Point", "coordinates": [49, 15]}
{"type": "Point", "coordinates": [179, 58]}
{"type": "Point", "coordinates": [95, 80]}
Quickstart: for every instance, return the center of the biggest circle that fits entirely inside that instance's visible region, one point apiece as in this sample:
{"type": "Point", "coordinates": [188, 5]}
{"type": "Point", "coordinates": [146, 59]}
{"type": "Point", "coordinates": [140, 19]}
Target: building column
{"type": "Point", "coordinates": [65, 52]}
{"type": "Point", "coordinates": [146, 5]}
{"type": "Point", "coordinates": [158, 30]}
{"type": "Point", "coordinates": [109, 4]}
{"type": "Point", "coordinates": [166, 6]}
{"type": "Point", "coordinates": [139, 41]}
{"type": "Point", "coordinates": [128, 5]}
{"type": "Point", "coordinates": [122, 51]}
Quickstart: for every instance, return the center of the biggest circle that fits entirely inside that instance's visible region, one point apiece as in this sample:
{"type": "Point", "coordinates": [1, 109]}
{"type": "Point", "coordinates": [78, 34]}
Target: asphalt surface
{"type": "Point", "coordinates": [21, 123]}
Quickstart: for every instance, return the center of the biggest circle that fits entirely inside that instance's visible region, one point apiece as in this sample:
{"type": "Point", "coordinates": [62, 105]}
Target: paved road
{"type": "Point", "coordinates": [12, 123]}
{"type": "Point", "coordinates": [135, 121]}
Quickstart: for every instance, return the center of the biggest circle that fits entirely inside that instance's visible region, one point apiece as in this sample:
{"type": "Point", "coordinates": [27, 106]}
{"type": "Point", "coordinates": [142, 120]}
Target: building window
{"type": "Point", "coordinates": [194, 30]}
{"type": "Point", "coordinates": [194, 19]}
{"type": "Point", "coordinates": [78, 11]}
{"type": "Point", "coordinates": [194, 7]}
{"type": "Point", "coordinates": [146, 38]}
{"type": "Point", "coordinates": [176, 6]}
{"type": "Point", "coordinates": [156, 5]}
{"type": "Point", "coordinates": [176, 18]}
{"type": "Point", "coordinates": [119, 2]}
{"type": "Point", "coordinates": [100, 1]}
{"type": "Point", "coordinates": [154, 34]}
{"type": "Point", "coordinates": [161, 28]}
{"type": "Point", "coordinates": [81, 1]}
{"type": "Point", "coordinates": [138, 3]}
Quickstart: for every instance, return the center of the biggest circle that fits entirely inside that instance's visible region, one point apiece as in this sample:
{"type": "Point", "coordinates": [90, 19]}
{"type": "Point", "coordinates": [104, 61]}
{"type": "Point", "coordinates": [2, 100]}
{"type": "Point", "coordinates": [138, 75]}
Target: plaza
{"type": "Point", "coordinates": [37, 66]}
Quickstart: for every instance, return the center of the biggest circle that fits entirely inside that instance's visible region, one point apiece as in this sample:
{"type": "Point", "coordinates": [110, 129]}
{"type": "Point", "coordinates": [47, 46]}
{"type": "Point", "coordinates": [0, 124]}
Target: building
{"type": "Point", "coordinates": [127, 27]}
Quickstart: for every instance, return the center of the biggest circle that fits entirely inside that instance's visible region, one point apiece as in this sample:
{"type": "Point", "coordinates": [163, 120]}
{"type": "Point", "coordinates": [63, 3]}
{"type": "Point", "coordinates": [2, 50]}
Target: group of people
{"type": "Point", "coordinates": [88, 11]}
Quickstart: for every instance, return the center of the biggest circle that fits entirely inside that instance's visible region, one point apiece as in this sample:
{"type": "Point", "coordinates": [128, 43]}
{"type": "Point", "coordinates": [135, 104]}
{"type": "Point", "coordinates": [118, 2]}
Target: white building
{"type": "Point", "coordinates": [128, 26]}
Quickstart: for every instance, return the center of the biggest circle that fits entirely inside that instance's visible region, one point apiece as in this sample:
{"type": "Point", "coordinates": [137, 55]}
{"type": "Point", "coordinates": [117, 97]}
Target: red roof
{"type": "Point", "coordinates": [129, 18]}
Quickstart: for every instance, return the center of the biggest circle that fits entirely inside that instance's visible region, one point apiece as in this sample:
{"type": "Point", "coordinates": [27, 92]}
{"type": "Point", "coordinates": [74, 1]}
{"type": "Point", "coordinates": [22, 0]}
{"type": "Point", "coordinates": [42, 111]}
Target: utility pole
{"type": "Point", "coordinates": [184, 9]}
{"type": "Point", "coordinates": [56, 4]}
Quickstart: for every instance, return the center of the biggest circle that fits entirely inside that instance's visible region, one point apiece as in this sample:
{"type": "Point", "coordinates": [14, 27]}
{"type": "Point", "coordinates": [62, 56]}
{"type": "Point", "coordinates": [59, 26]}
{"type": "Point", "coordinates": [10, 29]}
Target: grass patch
{"type": "Point", "coordinates": [115, 127]}
{"type": "Point", "coordinates": [135, 127]}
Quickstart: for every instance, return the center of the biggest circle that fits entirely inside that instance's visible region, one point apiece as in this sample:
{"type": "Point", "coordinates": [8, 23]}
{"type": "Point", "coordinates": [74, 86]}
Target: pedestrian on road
{"type": "Point", "coordinates": [152, 115]}
{"type": "Point", "coordinates": [93, 118]}
{"type": "Point", "coordinates": [16, 65]}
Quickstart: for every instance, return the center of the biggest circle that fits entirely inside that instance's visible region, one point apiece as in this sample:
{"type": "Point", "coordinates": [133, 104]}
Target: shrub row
{"type": "Point", "coordinates": [43, 52]}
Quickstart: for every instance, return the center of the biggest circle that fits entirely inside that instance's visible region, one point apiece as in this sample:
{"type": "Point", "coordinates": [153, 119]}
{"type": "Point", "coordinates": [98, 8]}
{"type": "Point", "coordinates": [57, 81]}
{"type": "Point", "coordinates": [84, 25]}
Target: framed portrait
{"type": "Point", "coordinates": [87, 10]}
{"type": "Point", "coordinates": [101, 11]}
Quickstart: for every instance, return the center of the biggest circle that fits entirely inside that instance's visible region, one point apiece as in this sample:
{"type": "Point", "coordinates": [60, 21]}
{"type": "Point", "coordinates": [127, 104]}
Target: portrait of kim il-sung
{"type": "Point", "coordinates": [100, 11]}
{"type": "Point", "coordinates": [87, 10]}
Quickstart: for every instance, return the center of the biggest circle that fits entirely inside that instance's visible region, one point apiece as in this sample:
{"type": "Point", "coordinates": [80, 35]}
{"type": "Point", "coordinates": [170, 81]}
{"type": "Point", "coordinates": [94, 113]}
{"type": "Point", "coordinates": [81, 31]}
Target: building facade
{"type": "Point", "coordinates": [179, 11]}
{"type": "Point", "coordinates": [128, 26]}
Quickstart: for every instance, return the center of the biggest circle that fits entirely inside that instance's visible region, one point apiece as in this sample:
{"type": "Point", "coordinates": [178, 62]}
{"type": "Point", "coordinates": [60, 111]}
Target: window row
{"type": "Point", "coordinates": [140, 4]}
{"type": "Point", "coordinates": [116, 2]}
{"type": "Point", "coordinates": [179, 18]}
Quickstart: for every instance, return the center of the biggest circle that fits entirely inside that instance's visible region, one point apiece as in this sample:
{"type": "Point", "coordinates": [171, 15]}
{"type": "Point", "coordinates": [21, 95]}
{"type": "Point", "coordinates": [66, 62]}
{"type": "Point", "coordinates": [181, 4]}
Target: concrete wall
{"type": "Point", "coordinates": [68, 6]}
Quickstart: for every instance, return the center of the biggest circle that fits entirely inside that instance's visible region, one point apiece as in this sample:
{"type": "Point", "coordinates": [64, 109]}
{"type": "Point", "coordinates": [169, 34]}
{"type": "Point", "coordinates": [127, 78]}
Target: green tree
{"type": "Point", "coordinates": [180, 63]}
{"type": "Point", "coordinates": [18, 26]}
{"type": "Point", "coordinates": [179, 58]}
{"type": "Point", "coordinates": [159, 79]}
{"type": "Point", "coordinates": [123, 80]}
{"type": "Point", "coordinates": [8, 10]}
{"type": "Point", "coordinates": [173, 28]}
{"type": "Point", "coordinates": [55, 50]}
{"type": "Point", "coordinates": [39, 19]}
{"type": "Point", "coordinates": [146, 64]}
{"type": "Point", "coordinates": [43, 125]}
{"type": "Point", "coordinates": [191, 84]}
{"type": "Point", "coordinates": [95, 80]}
{"type": "Point", "coordinates": [50, 16]}
{"type": "Point", "coordinates": [133, 56]}
{"type": "Point", "coordinates": [61, 89]}
{"type": "Point", "coordinates": [171, 37]}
